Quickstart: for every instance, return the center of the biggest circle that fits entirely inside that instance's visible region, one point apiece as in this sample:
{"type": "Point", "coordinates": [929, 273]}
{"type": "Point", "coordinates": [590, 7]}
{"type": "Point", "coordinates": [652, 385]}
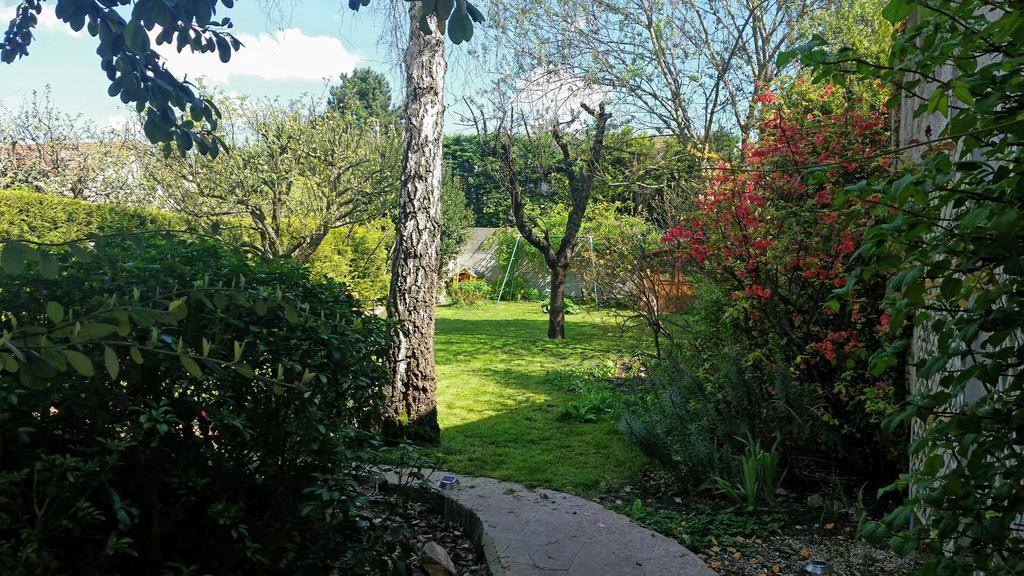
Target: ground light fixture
{"type": "Point", "coordinates": [448, 482]}
{"type": "Point", "coordinates": [817, 567]}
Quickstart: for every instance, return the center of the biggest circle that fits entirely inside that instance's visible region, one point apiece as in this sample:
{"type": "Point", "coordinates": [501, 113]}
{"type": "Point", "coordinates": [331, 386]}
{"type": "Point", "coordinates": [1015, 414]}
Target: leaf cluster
{"type": "Point", "coordinates": [174, 112]}
{"type": "Point", "coordinates": [168, 406]}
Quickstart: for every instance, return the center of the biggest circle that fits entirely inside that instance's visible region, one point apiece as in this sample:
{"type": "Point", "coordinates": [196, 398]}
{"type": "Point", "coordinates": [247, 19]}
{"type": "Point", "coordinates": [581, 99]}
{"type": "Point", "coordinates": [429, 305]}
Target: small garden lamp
{"type": "Point", "coordinates": [817, 567]}
{"type": "Point", "coordinates": [448, 482]}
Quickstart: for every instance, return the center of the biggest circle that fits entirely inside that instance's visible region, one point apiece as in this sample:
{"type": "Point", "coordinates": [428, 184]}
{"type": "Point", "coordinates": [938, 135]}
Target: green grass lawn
{"type": "Point", "coordinates": [499, 398]}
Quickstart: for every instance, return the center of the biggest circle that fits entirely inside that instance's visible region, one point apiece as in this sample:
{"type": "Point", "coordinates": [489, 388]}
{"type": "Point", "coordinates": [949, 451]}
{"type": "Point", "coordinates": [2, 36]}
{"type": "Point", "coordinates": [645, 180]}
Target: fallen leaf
{"type": "Point", "coordinates": [830, 525]}
{"type": "Point", "coordinates": [805, 553]}
{"type": "Point", "coordinates": [737, 555]}
{"type": "Point", "coordinates": [776, 569]}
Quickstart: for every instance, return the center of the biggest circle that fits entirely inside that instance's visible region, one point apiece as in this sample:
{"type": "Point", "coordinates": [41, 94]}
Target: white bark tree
{"type": "Point", "coordinates": [412, 406]}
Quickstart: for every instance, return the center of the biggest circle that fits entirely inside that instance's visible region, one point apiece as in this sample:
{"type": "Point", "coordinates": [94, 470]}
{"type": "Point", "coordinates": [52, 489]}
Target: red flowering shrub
{"type": "Point", "coordinates": [776, 232]}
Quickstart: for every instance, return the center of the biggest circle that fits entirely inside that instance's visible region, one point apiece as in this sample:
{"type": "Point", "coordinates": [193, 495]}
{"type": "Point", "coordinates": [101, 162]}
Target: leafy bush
{"type": "Point", "coordinates": [169, 407]}
{"type": "Point", "coordinates": [704, 525]}
{"type": "Point", "coordinates": [358, 257]}
{"type": "Point", "coordinates": [48, 218]}
{"type": "Point", "coordinates": [951, 248]}
{"type": "Point", "coordinates": [778, 239]}
{"type": "Point", "coordinates": [517, 289]}
{"type": "Point", "coordinates": [456, 219]}
{"type": "Point", "coordinates": [678, 427]}
{"type": "Point", "coordinates": [469, 292]}
{"type": "Point", "coordinates": [569, 305]}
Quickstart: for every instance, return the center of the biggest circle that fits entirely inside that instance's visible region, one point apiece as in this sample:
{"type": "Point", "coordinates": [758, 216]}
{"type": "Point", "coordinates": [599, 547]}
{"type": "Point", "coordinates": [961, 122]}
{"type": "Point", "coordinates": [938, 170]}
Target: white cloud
{"type": "Point", "coordinates": [283, 55]}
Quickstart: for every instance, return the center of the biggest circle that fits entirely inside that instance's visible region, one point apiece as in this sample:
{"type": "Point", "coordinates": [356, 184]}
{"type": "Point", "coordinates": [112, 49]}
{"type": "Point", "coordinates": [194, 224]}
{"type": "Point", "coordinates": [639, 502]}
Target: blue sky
{"type": "Point", "coordinates": [285, 56]}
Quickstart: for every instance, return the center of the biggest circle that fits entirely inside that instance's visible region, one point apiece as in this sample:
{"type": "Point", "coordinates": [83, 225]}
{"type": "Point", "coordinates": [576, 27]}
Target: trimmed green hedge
{"type": "Point", "coordinates": [47, 218]}
{"type": "Point", "coordinates": [357, 258]}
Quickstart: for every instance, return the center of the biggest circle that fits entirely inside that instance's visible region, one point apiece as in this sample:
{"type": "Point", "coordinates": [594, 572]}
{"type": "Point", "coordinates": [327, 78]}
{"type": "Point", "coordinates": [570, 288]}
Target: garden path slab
{"type": "Point", "coordinates": [540, 532]}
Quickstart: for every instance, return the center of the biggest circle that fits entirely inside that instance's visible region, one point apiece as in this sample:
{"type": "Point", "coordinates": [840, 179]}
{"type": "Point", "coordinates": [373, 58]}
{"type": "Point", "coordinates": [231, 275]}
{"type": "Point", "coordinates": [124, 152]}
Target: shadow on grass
{"type": "Point", "coordinates": [501, 390]}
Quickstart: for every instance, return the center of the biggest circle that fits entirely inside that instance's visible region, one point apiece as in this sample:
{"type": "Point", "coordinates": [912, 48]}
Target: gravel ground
{"type": "Point", "coordinates": [789, 554]}
{"type": "Point", "coordinates": [782, 541]}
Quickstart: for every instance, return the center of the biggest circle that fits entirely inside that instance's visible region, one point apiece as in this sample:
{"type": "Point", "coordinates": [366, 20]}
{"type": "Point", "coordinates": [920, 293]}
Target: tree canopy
{"type": "Point", "coordinates": [364, 94]}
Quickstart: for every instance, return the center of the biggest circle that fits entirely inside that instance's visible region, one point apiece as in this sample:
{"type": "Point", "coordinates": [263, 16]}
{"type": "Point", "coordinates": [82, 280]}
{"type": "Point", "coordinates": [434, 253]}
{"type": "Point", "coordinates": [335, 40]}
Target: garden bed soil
{"type": "Point", "coordinates": [732, 542]}
{"type": "Point", "coordinates": [426, 524]}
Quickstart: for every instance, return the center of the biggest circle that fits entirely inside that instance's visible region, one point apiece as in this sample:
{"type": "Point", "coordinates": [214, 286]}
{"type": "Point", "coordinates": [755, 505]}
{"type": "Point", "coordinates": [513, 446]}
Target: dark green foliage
{"type": "Point", "coordinates": [468, 158]}
{"type": "Point", "coordinates": [457, 16]}
{"type": "Point", "coordinates": [952, 249]}
{"type": "Point", "coordinates": [714, 387]}
{"type": "Point", "coordinates": [456, 219]}
{"type": "Point", "coordinates": [364, 95]}
{"type": "Point", "coordinates": [354, 255]}
{"type": "Point", "coordinates": [169, 407]}
{"type": "Point", "coordinates": [681, 428]}
{"type": "Point", "coordinates": [472, 158]}
{"type": "Point", "coordinates": [174, 112]}
{"type": "Point", "coordinates": [704, 525]}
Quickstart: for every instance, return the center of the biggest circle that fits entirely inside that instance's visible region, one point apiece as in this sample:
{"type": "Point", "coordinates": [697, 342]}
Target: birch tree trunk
{"type": "Point", "coordinates": [412, 410]}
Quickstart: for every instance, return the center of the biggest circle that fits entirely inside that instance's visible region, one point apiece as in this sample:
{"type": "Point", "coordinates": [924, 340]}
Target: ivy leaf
{"type": "Point", "coordinates": [896, 10]}
{"type": "Point", "coordinates": [245, 370]}
{"type": "Point", "coordinates": [80, 362]}
{"type": "Point", "coordinates": [14, 256]}
{"type": "Point", "coordinates": [962, 92]}
{"type": "Point", "coordinates": [191, 366]}
{"type": "Point", "coordinates": [902, 545]}
{"type": "Point", "coordinates": [951, 287]}
{"type": "Point", "coordinates": [48, 266]}
{"type": "Point", "coordinates": [55, 311]}
{"type": "Point", "coordinates": [110, 361]}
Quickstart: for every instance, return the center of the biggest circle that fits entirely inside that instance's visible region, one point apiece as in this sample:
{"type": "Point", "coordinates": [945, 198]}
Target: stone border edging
{"type": "Point", "coordinates": [461, 516]}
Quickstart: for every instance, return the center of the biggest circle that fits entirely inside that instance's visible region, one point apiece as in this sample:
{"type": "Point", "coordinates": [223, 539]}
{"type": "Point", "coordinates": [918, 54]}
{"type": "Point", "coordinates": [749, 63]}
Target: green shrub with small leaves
{"type": "Point", "coordinates": [469, 292]}
{"type": "Point", "coordinates": [168, 406]}
{"type": "Point", "coordinates": [570, 307]}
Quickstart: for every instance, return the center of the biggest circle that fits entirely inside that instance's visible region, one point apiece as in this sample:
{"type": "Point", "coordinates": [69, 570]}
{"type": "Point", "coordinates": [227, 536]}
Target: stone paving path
{"type": "Point", "coordinates": [527, 532]}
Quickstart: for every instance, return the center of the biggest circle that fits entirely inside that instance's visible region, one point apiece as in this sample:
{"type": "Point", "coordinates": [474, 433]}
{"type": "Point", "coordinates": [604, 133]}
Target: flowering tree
{"type": "Point", "coordinates": [777, 232]}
